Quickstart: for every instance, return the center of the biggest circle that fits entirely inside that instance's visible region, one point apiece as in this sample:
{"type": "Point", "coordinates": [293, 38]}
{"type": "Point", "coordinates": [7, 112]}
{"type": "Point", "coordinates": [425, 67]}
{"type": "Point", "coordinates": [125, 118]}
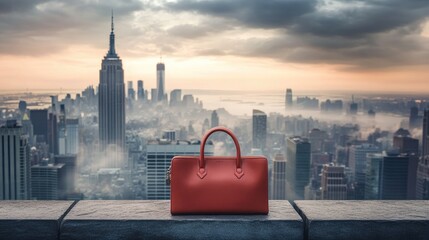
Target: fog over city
{"type": "Point", "coordinates": [375, 122]}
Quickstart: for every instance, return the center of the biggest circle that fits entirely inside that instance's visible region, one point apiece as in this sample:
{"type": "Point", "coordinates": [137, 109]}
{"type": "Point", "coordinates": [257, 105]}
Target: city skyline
{"type": "Point", "coordinates": [220, 44]}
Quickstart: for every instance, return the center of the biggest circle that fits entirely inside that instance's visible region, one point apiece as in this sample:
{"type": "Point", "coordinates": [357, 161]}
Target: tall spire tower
{"type": "Point", "coordinates": [111, 106]}
{"type": "Point", "coordinates": [112, 52]}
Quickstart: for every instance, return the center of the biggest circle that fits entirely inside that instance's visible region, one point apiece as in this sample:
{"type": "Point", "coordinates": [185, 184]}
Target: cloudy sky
{"type": "Point", "coordinates": [362, 45]}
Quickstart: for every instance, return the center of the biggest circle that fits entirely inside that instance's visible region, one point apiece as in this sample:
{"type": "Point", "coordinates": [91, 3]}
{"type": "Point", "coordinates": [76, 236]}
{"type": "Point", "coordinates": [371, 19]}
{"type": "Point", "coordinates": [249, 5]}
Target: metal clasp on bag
{"type": "Point", "coordinates": [168, 176]}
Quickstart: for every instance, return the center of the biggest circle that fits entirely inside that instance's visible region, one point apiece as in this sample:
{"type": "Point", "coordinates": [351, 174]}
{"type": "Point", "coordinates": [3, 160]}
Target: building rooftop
{"type": "Point", "coordinates": [176, 142]}
{"type": "Point", "coordinates": [298, 139]}
{"type": "Point", "coordinates": [50, 165]}
{"type": "Point", "coordinates": [257, 112]}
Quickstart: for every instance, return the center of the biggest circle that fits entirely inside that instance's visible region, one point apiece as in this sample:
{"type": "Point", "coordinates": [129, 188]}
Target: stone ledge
{"type": "Point", "coordinates": [31, 219]}
{"type": "Point", "coordinates": [152, 220]}
{"type": "Point", "coordinates": [365, 219]}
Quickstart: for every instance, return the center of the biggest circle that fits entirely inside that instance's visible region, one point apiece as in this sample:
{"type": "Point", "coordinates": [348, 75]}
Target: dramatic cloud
{"type": "Point", "coordinates": [253, 13]}
{"type": "Point", "coordinates": [361, 34]}
{"type": "Point", "coordinates": [358, 34]}
{"type": "Point", "coordinates": [44, 27]}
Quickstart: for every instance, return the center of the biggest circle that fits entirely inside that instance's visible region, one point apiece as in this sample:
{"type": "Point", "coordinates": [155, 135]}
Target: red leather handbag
{"type": "Point", "coordinates": [219, 185]}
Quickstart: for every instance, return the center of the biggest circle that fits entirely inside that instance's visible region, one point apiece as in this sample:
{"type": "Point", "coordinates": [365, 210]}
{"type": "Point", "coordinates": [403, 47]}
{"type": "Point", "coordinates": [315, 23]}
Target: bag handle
{"type": "Point", "coordinates": [201, 161]}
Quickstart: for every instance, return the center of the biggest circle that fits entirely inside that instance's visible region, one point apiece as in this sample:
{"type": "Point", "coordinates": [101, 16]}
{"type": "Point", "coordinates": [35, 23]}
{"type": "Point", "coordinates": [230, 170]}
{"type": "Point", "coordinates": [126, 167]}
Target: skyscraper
{"type": "Point", "coordinates": [39, 119]}
{"type": "Point", "coordinates": [372, 177]}
{"type": "Point", "coordinates": [140, 91]}
{"type": "Point", "coordinates": [48, 181]}
{"type": "Point", "coordinates": [406, 144]}
{"type": "Point", "coordinates": [160, 81]}
{"type": "Point", "coordinates": [53, 132]}
{"type": "Point", "coordinates": [131, 91]}
{"type": "Point", "coordinates": [357, 164]}
{"type": "Point", "coordinates": [289, 100]}
{"type": "Point", "coordinates": [72, 129]}
{"type": "Point", "coordinates": [353, 107]}
{"type": "Point", "coordinates": [394, 177]}
{"type": "Point", "coordinates": [22, 106]}
{"type": "Point", "coordinates": [425, 137]}
{"type": "Point", "coordinates": [27, 128]}
{"type": "Point", "coordinates": [111, 103]}
{"type": "Point", "coordinates": [297, 167]}
{"type": "Point", "coordinates": [14, 163]}
{"type": "Point", "coordinates": [154, 95]}
{"type": "Point", "coordinates": [176, 97]}
{"type": "Point", "coordinates": [70, 162]}
{"type": "Point", "coordinates": [279, 178]}
{"type": "Point", "coordinates": [414, 117]}
{"type": "Point", "coordinates": [62, 134]}
{"type": "Point", "coordinates": [422, 191]}
{"type": "Point", "coordinates": [215, 119]}
{"type": "Point", "coordinates": [334, 183]}
{"type": "Point", "coordinates": [159, 155]}
{"type": "Point", "coordinates": [259, 126]}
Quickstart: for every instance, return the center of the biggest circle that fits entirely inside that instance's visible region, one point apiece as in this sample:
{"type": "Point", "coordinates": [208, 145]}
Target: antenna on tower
{"type": "Point", "coordinates": [112, 21]}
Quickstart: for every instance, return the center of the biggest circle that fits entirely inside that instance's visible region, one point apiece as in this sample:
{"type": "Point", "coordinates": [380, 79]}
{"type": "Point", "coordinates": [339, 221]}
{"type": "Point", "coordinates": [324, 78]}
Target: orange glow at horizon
{"type": "Point", "coordinates": [78, 66]}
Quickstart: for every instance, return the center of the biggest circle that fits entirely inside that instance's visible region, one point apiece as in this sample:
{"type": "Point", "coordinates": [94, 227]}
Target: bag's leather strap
{"type": "Point", "coordinates": [202, 171]}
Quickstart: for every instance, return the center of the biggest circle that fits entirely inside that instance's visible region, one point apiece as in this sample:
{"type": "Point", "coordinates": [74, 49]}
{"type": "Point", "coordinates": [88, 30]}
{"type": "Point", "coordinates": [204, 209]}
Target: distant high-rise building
{"type": "Point", "coordinates": [394, 177]}
{"type": "Point", "coordinates": [169, 135]}
{"type": "Point", "coordinates": [48, 181]}
{"type": "Point", "coordinates": [205, 126]}
{"type": "Point", "coordinates": [414, 118]}
{"type": "Point", "coordinates": [425, 136]}
{"type": "Point", "coordinates": [176, 97]}
{"type": "Point", "coordinates": [140, 91]}
{"type": "Point", "coordinates": [39, 120]}
{"type": "Point", "coordinates": [422, 191]}
{"type": "Point", "coordinates": [298, 167]}
{"type": "Point", "coordinates": [154, 95]}
{"type": "Point", "coordinates": [53, 133]}
{"type": "Point", "coordinates": [215, 119]}
{"type": "Point", "coordinates": [334, 183]}
{"type": "Point", "coordinates": [72, 129]}
{"type": "Point", "coordinates": [14, 163]}
{"type": "Point", "coordinates": [353, 107]}
{"type": "Point", "coordinates": [27, 127]}
{"type": "Point", "coordinates": [159, 155]}
{"type": "Point", "coordinates": [259, 126]}
{"type": "Point", "coordinates": [289, 98]}
{"type": "Point", "coordinates": [188, 100]}
{"type": "Point", "coordinates": [160, 81]}
{"type": "Point", "coordinates": [62, 134]}
{"type": "Point", "coordinates": [131, 91]}
{"type": "Point", "coordinates": [22, 106]}
{"type": "Point", "coordinates": [70, 162]}
{"type": "Point", "coordinates": [279, 178]}
{"type": "Point", "coordinates": [357, 164]}
{"type": "Point", "coordinates": [332, 106]}
{"type": "Point", "coordinates": [89, 95]}
{"type": "Point", "coordinates": [372, 177]}
{"type": "Point", "coordinates": [111, 104]}
{"type": "Point", "coordinates": [406, 144]}
{"type": "Point", "coordinates": [409, 146]}
{"type": "Point", "coordinates": [317, 137]}
{"type": "Point", "coordinates": [307, 103]}
{"type": "Point", "coordinates": [54, 104]}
